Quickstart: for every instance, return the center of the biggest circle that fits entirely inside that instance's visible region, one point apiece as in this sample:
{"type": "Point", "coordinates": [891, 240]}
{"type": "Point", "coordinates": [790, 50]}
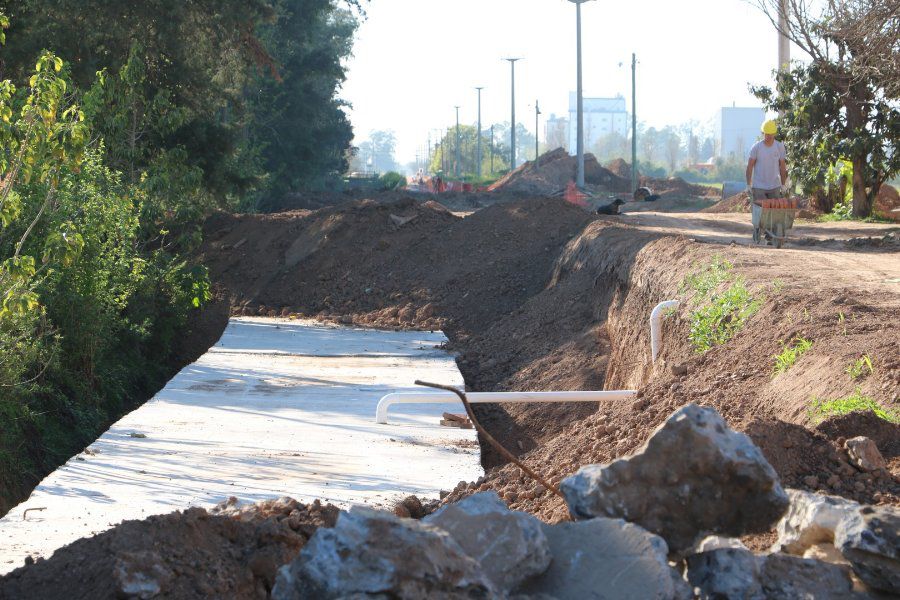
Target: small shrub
{"type": "Point", "coordinates": [716, 322]}
{"type": "Point", "coordinates": [392, 181]}
{"type": "Point", "coordinates": [861, 366]}
{"type": "Point", "coordinates": [822, 409]}
{"type": "Point", "coordinates": [790, 354]}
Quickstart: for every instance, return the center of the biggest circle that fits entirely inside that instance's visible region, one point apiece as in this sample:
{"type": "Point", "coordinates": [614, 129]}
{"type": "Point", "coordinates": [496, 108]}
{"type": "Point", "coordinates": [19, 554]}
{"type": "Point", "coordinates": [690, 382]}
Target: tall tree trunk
{"type": "Point", "coordinates": [862, 203]}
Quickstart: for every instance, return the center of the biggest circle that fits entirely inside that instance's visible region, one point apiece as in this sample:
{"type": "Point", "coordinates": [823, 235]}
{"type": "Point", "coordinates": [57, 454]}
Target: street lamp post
{"type": "Point", "coordinates": [634, 165]}
{"type": "Point", "coordinates": [478, 148]}
{"type": "Point", "coordinates": [537, 114]}
{"type": "Point", "coordinates": [512, 129]}
{"type": "Point", "coordinates": [579, 142]}
{"type": "Point", "coordinates": [456, 170]}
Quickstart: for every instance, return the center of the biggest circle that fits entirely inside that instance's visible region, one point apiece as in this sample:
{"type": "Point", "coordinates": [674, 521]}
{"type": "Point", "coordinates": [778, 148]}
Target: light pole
{"type": "Point", "coordinates": [537, 114]}
{"type": "Point", "coordinates": [456, 170]}
{"type": "Point", "coordinates": [579, 142]}
{"type": "Point", "coordinates": [633, 122]}
{"type": "Point", "coordinates": [512, 129]}
{"type": "Point", "coordinates": [478, 148]}
{"type": "Point", "coordinates": [492, 150]}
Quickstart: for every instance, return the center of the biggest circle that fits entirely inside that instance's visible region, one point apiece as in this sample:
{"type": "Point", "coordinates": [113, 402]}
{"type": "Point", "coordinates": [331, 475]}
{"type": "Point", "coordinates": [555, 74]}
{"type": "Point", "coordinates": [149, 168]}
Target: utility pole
{"type": "Point", "coordinates": [537, 114]}
{"type": "Point", "coordinates": [478, 160]}
{"type": "Point", "coordinates": [512, 129]}
{"type": "Point", "coordinates": [579, 143]}
{"type": "Point", "coordinates": [456, 170]}
{"type": "Point", "coordinates": [633, 122]}
{"type": "Point", "coordinates": [784, 44]}
{"type": "Point", "coordinates": [492, 150]}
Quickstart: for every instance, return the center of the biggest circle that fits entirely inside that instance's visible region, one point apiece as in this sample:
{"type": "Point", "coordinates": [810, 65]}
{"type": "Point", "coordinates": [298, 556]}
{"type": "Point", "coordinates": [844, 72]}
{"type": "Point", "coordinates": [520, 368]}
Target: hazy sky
{"type": "Point", "coordinates": [415, 59]}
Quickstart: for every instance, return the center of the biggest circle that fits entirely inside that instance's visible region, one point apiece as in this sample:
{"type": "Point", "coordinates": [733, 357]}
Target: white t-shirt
{"type": "Point", "coordinates": [766, 171]}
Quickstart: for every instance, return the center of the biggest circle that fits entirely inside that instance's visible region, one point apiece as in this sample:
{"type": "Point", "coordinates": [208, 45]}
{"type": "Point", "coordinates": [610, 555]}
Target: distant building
{"type": "Point", "coordinates": [556, 132]}
{"type": "Point", "coordinates": [602, 116]}
{"type": "Point", "coordinates": [737, 129]}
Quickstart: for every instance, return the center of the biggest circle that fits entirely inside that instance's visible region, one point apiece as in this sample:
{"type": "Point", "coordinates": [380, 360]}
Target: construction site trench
{"type": "Point", "coordinates": [536, 294]}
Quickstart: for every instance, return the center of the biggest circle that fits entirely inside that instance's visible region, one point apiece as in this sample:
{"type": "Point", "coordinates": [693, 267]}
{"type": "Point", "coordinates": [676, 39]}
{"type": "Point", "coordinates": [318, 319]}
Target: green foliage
{"type": "Point", "coordinates": [392, 181]}
{"type": "Point", "coordinates": [790, 353]}
{"type": "Point", "coordinates": [718, 314]}
{"type": "Point", "coordinates": [825, 123]}
{"type": "Point", "coordinates": [443, 157]}
{"type": "Point", "coordinates": [708, 278]}
{"type": "Point", "coordinates": [861, 366]}
{"type": "Point", "coordinates": [820, 410]}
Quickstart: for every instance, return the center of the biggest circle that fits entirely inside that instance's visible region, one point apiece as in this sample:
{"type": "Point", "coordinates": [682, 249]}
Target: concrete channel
{"type": "Point", "coordinates": [275, 408]}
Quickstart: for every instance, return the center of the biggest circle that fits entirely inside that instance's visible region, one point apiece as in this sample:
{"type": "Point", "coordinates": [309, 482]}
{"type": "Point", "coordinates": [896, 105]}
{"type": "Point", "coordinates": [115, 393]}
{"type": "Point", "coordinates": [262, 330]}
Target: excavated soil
{"type": "Point", "coordinates": [192, 554]}
{"type": "Point", "coordinates": [538, 294]}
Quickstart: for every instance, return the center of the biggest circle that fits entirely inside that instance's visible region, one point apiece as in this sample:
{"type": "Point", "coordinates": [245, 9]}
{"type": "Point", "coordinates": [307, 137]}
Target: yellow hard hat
{"type": "Point", "coordinates": [769, 127]}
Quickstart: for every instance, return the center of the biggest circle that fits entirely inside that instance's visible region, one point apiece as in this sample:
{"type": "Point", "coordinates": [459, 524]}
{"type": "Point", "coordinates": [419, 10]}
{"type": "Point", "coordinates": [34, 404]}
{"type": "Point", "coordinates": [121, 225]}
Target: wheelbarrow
{"type": "Point", "coordinates": [772, 218]}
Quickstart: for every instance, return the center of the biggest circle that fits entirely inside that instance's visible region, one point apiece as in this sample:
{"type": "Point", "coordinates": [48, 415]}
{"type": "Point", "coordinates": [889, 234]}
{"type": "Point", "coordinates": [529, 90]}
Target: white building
{"type": "Point", "coordinates": [602, 116]}
{"type": "Point", "coordinates": [737, 129]}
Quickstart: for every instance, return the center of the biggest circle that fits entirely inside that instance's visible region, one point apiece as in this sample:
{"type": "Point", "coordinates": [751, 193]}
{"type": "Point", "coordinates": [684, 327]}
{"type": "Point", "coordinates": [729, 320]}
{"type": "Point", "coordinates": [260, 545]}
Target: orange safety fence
{"type": "Point", "coordinates": [573, 196]}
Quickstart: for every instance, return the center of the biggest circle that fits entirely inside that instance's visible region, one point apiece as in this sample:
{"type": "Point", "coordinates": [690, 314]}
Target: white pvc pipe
{"type": "Point", "coordinates": [656, 324]}
{"type": "Point", "coordinates": [482, 397]}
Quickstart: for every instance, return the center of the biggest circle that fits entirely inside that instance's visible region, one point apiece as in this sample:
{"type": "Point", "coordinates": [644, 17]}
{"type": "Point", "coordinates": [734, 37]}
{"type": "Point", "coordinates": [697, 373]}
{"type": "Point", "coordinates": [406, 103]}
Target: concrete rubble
{"type": "Point", "coordinates": [738, 573]}
{"type": "Point", "coordinates": [693, 478]}
{"type": "Point", "coordinates": [510, 546]}
{"type": "Point", "coordinates": [720, 486]}
{"type": "Point", "coordinates": [606, 558]}
{"type": "Point", "coordinates": [868, 538]}
{"type": "Point", "coordinates": [369, 553]}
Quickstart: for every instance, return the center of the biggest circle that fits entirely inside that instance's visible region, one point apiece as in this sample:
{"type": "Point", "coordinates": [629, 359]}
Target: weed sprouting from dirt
{"type": "Point", "coordinates": [720, 314]}
{"type": "Point", "coordinates": [820, 410]}
{"type": "Point", "coordinates": [861, 366]}
{"type": "Point", "coordinates": [708, 278]}
{"type": "Point", "coordinates": [790, 353]}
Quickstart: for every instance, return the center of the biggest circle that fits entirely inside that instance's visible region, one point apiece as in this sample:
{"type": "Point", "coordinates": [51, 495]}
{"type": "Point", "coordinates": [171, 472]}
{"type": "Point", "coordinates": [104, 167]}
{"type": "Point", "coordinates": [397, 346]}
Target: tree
{"type": "Point", "coordinates": [444, 155]}
{"type": "Point", "coordinates": [842, 105]}
{"type": "Point", "coordinates": [296, 119]}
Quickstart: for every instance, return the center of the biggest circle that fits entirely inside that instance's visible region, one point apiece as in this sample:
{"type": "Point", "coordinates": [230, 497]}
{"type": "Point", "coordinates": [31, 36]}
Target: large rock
{"type": "Point", "coordinates": [605, 558]}
{"type": "Point", "coordinates": [864, 454]}
{"type": "Point", "coordinates": [371, 553]}
{"type": "Point", "coordinates": [871, 542]}
{"type": "Point", "coordinates": [694, 477]}
{"type": "Point", "coordinates": [738, 573]}
{"type": "Point", "coordinates": [509, 546]}
{"type": "Point", "coordinates": [811, 519]}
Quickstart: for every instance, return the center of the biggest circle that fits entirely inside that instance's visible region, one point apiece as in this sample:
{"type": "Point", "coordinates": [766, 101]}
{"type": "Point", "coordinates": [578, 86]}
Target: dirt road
{"type": "Point", "coordinates": [836, 254]}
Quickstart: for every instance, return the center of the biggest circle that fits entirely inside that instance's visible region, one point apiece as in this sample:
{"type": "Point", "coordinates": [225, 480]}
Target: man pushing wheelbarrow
{"type": "Point", "coordinates": [772, 209]}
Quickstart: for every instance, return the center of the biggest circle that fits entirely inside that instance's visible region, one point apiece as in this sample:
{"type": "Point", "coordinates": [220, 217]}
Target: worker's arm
{"type": "Point", "coordinates": [750, 164]}
{"type": "Point", "coordinates": [782, 166]}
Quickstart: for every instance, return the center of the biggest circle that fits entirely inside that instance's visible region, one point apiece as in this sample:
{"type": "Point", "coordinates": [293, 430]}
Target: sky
{"type": "Point", "coordinates": [414, 60]}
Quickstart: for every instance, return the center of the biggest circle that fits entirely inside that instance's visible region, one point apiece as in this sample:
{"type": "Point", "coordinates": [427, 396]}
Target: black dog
{"type": "Point", "coordinates": [610, 209]}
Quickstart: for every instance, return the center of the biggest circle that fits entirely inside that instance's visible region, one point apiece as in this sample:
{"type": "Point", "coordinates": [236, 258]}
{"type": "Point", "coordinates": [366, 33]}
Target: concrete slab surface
{"type": "Point", "coordinates": [275, 408]}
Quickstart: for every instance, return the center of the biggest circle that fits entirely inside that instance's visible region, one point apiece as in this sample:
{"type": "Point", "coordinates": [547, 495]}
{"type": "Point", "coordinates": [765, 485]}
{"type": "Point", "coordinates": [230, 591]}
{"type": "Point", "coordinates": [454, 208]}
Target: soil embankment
{"type": "Point", "coordinates": [537, 294]}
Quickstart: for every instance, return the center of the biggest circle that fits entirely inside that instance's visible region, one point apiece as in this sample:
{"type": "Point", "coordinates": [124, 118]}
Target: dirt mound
{"type": "Point", "coordinates": [388, 264]}
{"type": "Point", "coordinates": [677, 187]}
{"type": "Point", "coordinates": [739, 203]}
{"type": "Point", "coordinates": [887, 203]}
{"type": "Point", "coordinates": [186, 555]}
{"type": "Point", "coordinates": [620, 168]}
{"type": "Point", "coordinates": [554, 170]}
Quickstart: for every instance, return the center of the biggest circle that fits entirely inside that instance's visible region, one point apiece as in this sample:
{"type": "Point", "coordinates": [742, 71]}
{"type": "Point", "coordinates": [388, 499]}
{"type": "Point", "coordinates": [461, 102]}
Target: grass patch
{"type": "Point", "coordinates": [719, 314]}
{"type": "Point", "coordinates": [790, 353]}
{"type": "Point", "coordinates": [861, 366]}
{"type": "Point", "coordinates": [822, 409]}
